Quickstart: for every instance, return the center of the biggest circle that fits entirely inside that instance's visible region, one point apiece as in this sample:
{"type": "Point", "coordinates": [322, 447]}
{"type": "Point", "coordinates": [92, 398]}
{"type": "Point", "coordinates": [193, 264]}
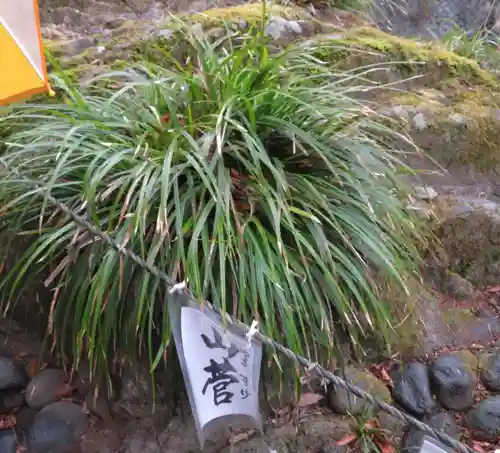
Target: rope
{"type": "Point", "coordinates": [307, 364]}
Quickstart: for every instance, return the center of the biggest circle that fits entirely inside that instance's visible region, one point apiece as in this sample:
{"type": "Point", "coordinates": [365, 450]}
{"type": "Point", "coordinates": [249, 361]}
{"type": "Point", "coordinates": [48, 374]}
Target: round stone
{"type": "Point", "coordinates": [484, 420]}
{"type": "Point", "coordinates": [45, 388]}
{"type": "Point", "coordinates": [442, 421]}
{"type": "Point", "coordinates": [411, 388]}
{"type": "Point", "coordinates": [10, 399]}
{"type": "Point", "coordinates": [12, 374]}
{"type": "Point", "coordinates": [454, 383]}
{"type": "Point", "coordinates": [490, 375]}
{"type": "Point", "coordinates": [57, 428]}
{"type": "Point", "coordinates": [8, 441]}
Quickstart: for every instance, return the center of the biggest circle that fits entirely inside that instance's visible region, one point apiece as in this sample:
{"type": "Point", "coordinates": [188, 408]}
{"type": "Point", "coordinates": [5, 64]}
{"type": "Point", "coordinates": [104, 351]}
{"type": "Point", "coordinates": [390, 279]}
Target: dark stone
{"type": "Point", "coordinates": [12, 374]}
{"type": "Point", "coordinates": [454, 383]}
{"type": "Point", "coordinates": [390, 424]}
{"type": "Point", "coordinates": [45, 388]}
{"type": "Point", "coordinates": [490, 375]}
{"type": "Point", "coordinates": [484, 419]}
{"type": "Point", "coordinates": [57, 428]}
{"type": "Point", "coordinates": [24, 420]}
{"type": "Point", "coordinates": [442, 421]}
{"type": "Point", "coordinates": [10, 399]}
{"type": "Point", "coordinates": [411, 388]}
{"type": "Point", "coordinates": [8, 441]}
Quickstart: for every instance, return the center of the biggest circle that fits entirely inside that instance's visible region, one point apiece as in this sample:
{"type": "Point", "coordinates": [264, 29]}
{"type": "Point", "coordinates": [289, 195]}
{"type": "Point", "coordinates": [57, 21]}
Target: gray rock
{"type": "Point", "coordinates": [490, 374]}
{"type": "Point", "coordinates": [454, 383]}
{"type": "Point", "coordinates": [420, 122]}
{"type": "Point", "coordinates": [57, 428]}
{"type": "Point", "coordinates": [45, 388]}
{"type": "Point", "coordinates": [411, 388]}
{"type": "Point", "coordinates": [24, 420]}
{"type": "Point", "coordinates": [391, 424]}
{"type": "Point", "coordinates": [79, 45]}
{"type": "Point", "coordinates": [8, 441]}
{"type": "Point", "coordinates": [10, 399]}
{"type": "Point", "coordinates": [458, 287]}
{"type": "Point", "coordinates": [459, 120]}
{"type": "Point", "coordinates": [442, 421]}
{"type": "Point", "coordinates": [12, 374]}
{"type": "Point", "coordinates": [426, 193]}
{"type": "Point", "coordinates": [484, 420]}
{"type": "Point", "coordinates": [344, 402]}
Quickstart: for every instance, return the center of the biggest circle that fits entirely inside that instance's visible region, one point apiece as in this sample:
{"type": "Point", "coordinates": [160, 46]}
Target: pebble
{"type": "Point", "coordinates": [458, 287]}
{"type": "Point", "coordinates": [484, 419]}
{"type": "Point", "coordinates": [10, 399]}
{"type": "Point", "coordinates": [490, 375]}
{"type": "Point", "coordinates": [442, 421]}
{"type": "Point", "coordinates": [344, 402]}
{"type": "Point", "coordinates": [420, 122]}
{"type": "Point", "coordinates": [411, 388]}
{"type": "Point", "coordinates": [425, 193]}
{"type": "Point", "coordinates": [12, 374]}
{"type": "Point", "coordinates": [56, 428]}
{"type": "Point", "coordinates": [45, 388]}
{"type": "Point", "coordinates": [8, 441]}
{"type": "Point", "coordinates": [454, 383]}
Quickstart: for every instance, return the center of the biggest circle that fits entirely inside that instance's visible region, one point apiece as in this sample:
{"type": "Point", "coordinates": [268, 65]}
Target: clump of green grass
{"type": "Point", "coordinates": [482, 46]}
{"type": "Point", "coordinates": [255, 176]}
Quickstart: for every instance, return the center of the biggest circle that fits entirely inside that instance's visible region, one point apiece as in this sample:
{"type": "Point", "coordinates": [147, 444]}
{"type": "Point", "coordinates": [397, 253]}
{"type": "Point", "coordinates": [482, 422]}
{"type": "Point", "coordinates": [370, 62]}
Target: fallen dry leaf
{"type": "Point", "coordinates": [32, 368]}
{"type": "Point", "coordinates": [8, 421]}
{"type": "Point", "coordinates": [309, 399]}
{"type": "Point", "coordinates": [241, 437]}
{"type": "Point", "coordinates": [381, 372]}
{"type": "Point", "coordinates": [347, 439]}
{"type": "Point", "coordinates": [492, 290]}
{"type": "Point", "coordinates": [384, 375]}
{"type": "Point", "coordinates": [478, 447]}
{"type": "Point", "coordinates": [371, 424]}
{"type": "Point", "coordinates": [385, 447]}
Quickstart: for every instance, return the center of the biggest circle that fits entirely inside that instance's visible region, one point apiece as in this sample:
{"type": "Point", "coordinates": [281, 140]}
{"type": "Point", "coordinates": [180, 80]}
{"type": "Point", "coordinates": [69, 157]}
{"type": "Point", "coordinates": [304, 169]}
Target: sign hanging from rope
{"type": "Point", "coordinates": [22, 58]}
{"type": "Point", "coordinates": [221, 368]}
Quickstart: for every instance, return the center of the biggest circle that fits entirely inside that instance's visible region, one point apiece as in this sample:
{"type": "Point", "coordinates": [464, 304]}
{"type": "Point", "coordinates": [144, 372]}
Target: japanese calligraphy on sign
{"type": "Point", "coordinates": [221, 368]}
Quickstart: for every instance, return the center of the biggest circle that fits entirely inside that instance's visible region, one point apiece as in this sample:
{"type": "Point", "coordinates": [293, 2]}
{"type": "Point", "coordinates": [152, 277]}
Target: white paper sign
{"type": "Point", "coordinates": [430, 445]}
{"type": "Point", "coordinates": [220, 367]}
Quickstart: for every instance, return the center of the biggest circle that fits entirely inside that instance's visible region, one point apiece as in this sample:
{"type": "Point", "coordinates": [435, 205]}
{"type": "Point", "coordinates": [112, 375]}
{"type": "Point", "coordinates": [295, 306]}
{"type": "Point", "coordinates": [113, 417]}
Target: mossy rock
{"type": "Point", "coordinates": [455, 126]}
{"type": "Point", "coordinates": [418, 63]}
{"type": "Point", "coordinates": [471, 245]}
{"type": "Point", "coordinates": [470, 360]}
{"type": "Point", "coordinates": [343, 402]}
{"type": "Point", "coordinates": [137, 40]}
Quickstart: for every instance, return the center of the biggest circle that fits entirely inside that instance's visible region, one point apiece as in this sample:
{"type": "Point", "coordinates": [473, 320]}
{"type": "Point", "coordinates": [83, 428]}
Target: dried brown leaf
{"type": "Point", "coordinates": [347, 439]}
{"type": "Point", "coordinates": [309, 399]}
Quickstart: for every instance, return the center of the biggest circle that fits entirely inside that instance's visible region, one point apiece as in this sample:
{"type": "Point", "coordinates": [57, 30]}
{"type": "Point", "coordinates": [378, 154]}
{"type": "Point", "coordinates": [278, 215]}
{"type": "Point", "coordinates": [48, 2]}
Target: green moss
{"type": "Point", "coordinates": [250, 13]}
{"type": "Point", "coordinates": [456, 318]}
{"type": "Point", "coordinates": [361, 46]}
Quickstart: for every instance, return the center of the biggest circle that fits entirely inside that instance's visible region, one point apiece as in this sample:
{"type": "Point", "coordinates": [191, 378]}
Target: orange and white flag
{"type": "Point", "coordinates": [22, 63]}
